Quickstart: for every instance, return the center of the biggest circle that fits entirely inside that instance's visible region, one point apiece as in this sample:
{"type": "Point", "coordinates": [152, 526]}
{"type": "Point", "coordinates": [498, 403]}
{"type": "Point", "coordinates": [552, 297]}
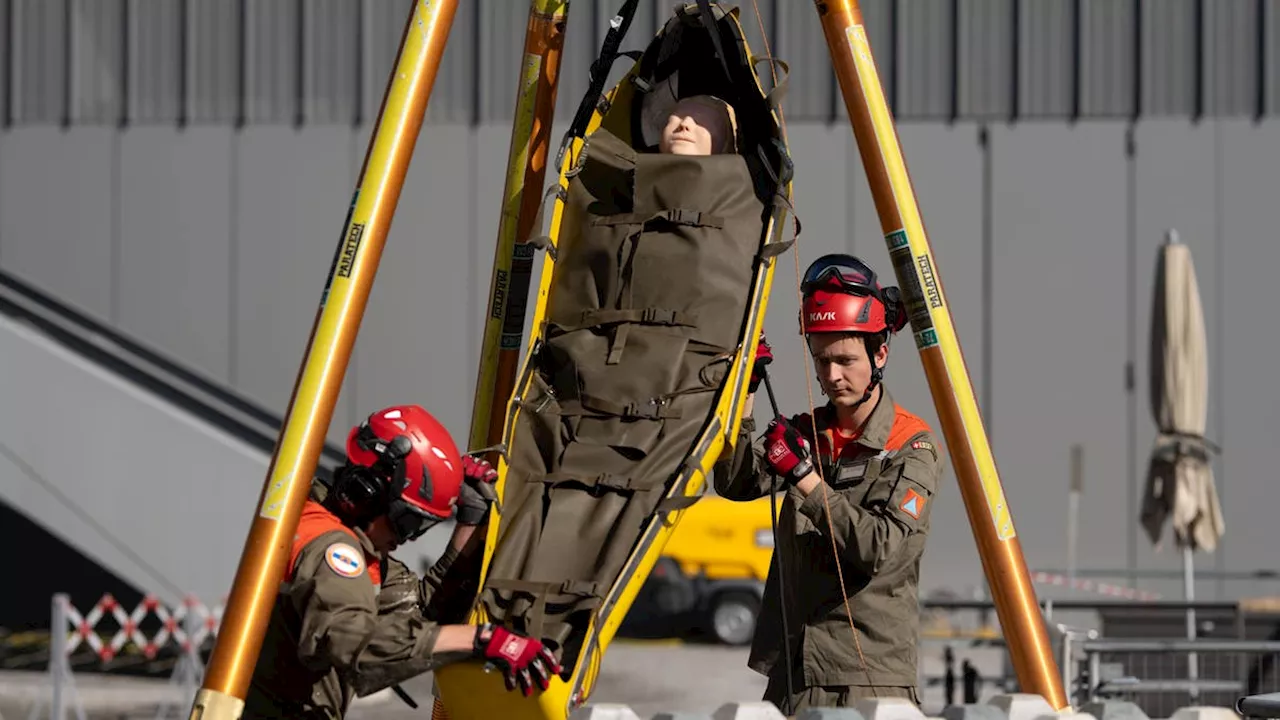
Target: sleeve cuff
{"type": "Point", "coordinates": [813, 507]}
{"type": "Point", "coordinates": [446, 560]}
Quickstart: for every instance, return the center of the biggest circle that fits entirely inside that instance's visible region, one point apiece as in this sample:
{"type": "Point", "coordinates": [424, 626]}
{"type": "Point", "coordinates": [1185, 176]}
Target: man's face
{"type": "Point", "coordinates": [382, 535]}
{"type": "Point", "coordinates": [693, 128]}
{"type": "Point", "coordinates": [843, 368]}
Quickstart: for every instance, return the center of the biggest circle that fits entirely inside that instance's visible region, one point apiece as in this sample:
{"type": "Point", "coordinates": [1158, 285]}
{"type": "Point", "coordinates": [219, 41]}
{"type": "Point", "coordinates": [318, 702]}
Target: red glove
{"type": "Point", "coordinates": [522, 660]}
{"type": "Point", "coordinates": [477, 470]}
{"type": "Point", "coordinates": [786, 451]}
{"type": "Point", "coordinates": [477, 492]}
{"type": "Point", "coordinates": [764, 356]}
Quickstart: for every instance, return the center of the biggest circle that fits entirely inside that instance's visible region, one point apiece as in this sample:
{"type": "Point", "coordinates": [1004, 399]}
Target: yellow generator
{"type": "Point", "coordinates": [714, 567]}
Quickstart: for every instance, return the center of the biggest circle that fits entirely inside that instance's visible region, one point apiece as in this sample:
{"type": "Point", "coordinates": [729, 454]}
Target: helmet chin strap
{"type": "Point", "coordinates": [876, 374]}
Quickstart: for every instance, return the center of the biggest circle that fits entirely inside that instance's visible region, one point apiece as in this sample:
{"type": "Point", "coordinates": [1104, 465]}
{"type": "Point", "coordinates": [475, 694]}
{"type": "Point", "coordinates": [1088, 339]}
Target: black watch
{"type": "Point", "coordinates": [800, 471]}
{"type": "Point", "coordinates": [484, 634]}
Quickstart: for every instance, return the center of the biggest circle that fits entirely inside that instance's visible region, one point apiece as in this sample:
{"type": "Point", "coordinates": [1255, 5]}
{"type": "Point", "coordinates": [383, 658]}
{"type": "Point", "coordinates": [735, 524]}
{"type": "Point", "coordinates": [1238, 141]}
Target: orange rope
{"type": "Point", "coordinates": [808, 383]}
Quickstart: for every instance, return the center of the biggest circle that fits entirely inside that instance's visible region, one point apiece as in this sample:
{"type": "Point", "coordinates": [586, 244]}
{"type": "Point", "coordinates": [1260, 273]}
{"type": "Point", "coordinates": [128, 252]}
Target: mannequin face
{"type": "Point", "coordinates": [695, 127]}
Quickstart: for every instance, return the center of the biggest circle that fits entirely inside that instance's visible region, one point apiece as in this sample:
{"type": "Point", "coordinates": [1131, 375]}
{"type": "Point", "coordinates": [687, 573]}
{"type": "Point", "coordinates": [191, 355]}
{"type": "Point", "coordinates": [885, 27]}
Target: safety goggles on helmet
{"type": "Point", "coordinates": [408, 521]}
{"type": "Point", "coordinates": [838, 272]}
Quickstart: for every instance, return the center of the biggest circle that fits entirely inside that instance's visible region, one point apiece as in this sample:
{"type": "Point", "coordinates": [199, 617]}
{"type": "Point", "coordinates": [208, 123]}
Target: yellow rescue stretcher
{"type": "Point", "coordinates": [684, 58]}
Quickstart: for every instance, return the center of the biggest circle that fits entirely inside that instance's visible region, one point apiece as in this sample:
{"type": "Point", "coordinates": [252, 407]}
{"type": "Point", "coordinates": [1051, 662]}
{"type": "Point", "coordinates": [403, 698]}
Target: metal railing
{"type": "Point", "coordinates": [1158, 674]}
{"type": "Point", "coordinates": [1161, 676]}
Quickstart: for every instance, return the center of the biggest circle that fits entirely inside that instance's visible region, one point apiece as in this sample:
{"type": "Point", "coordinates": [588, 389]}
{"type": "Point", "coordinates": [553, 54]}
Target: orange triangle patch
{"type": "Point", "coordinates": [912, 504]}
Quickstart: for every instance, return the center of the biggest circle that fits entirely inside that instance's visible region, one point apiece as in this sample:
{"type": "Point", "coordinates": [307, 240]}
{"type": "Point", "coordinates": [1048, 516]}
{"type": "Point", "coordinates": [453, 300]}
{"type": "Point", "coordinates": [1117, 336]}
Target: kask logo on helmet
{"type": "Point", "coordinates": [822, 316]}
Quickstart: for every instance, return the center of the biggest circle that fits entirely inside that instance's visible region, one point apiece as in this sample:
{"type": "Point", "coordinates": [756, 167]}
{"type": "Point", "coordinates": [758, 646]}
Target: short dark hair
{"type": "Point", "coordinates": [872, 341]}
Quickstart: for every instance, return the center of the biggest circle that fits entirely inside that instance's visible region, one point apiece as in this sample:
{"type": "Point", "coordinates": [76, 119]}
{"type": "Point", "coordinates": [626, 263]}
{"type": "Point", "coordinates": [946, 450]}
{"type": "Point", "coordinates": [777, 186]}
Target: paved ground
{"type": "Point", "coordinates": [650, 676]}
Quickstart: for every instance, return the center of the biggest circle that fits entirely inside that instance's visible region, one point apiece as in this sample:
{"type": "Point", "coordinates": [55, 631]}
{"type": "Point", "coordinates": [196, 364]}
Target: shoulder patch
{"type": "Point", "coordinates": [912, 504]}
{"type": "Point", "coordinates": [923, 445]}
{"type": "Point", "coordinates": [344, 560]}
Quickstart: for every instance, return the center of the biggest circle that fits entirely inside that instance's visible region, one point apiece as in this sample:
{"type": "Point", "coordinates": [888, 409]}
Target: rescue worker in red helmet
{"type": "Point", "coordinates": [859, 476]}
{"type": "Point", "coordinates": [349, 619]}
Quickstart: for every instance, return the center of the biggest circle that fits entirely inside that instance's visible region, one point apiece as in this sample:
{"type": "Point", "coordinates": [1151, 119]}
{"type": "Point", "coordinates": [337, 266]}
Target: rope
{"type": "Point", "coordinates": [808, 385]}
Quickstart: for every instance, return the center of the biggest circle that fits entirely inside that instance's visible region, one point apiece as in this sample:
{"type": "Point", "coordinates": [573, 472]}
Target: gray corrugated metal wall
{"type": "Point", "coordinates": [212, 245]}
{"type": "Point", "coordinates": [326, 61]}
{"type": "Point", "coordinates": [210, 242]}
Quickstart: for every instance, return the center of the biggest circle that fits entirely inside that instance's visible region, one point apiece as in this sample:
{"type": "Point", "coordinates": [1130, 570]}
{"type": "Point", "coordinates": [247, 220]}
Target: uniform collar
{"type": "Point", "coordinates": [319, 490]}
{"type": "Point", "coordinates": [366, 544]}
{"type": "Point", "coordinates": [875, 432]}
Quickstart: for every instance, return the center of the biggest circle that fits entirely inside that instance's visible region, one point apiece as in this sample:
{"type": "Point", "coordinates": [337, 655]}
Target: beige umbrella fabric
{"type": "Point", "coordinates": [1180, 483]}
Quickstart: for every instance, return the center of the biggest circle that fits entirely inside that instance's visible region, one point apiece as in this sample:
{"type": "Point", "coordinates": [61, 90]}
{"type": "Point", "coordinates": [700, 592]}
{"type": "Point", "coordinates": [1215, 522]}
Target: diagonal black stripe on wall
{"type": "Point", "coordinates": [60, 569]}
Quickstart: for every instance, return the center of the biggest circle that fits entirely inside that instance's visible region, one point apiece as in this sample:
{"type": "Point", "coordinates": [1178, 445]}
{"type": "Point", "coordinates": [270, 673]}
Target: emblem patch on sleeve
{"type": "Point", "coordinates": [344, 560]}
{"type": "Point", "coordinates": [912, 504]}
{"type": "Point", "coordinates": [923, 445]}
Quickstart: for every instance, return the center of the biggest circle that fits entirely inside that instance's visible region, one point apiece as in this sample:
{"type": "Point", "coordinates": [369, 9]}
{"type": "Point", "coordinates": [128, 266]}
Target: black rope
{"type": "Point", "coordinates": [709, 22]}
{"type": "Point", "coordinates": [782, 585]}
{"type": "Point", "coordinates": [600, 73]}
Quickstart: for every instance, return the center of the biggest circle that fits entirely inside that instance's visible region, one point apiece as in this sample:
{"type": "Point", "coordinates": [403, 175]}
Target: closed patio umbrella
{"type": "Point", "coordinates": [1180, 485]}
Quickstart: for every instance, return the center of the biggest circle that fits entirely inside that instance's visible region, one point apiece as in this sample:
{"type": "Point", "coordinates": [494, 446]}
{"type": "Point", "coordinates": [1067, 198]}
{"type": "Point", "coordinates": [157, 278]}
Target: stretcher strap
{"type": "Point", "coordinates": [600, 71]}
{"type": "Point", "coordinates": [619, 339]}
{"type": "Point", "coordinates": [679, 502]}
{"type": "Point", "coordinates": [639, 316]}
{"type": "Point", "coordinates": [709, 22]}
{"type": "Point", "coordinates": [607, 481]}
{"type": "Point", "coordinates": [561, 591]}
{"type": "Point", "coordinates": [773, 250]}
{"type": "Point", "coordinates": [587, 404]}
{"type": "Point", "coordinates": [675, 216]}
{"type": "Point", "coordinates": [678, 216]}
{"type": "Point", "coordinates": [620, 483]}
{"type": "Point", "coordinates": [540, 239]}
{"type": "Point", "coordinates": [775, 96]}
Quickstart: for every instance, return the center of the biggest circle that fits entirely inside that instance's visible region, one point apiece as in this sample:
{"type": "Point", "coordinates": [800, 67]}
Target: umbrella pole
{"type": "Point", "coordinates": [1189, 587]}
{"type": "Point", "coordinates": [1188, 567]}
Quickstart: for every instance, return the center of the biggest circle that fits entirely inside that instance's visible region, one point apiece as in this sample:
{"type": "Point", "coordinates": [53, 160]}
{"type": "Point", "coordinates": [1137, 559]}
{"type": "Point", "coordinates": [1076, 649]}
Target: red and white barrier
{"type": "Point", "coordinates": [175, 626]}
{"type": "Point", "coordinates": [1099, 588]}
{"type": "Point", "coordinates": [187, 626]}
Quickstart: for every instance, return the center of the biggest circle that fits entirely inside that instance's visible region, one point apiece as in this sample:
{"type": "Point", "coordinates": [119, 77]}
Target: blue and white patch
{"type": "Point", "coordinates": [344, 560]}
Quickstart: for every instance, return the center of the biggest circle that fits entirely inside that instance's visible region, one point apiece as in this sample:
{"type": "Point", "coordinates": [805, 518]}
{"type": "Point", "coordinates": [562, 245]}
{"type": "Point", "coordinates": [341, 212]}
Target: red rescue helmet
{"type": "Point", "coordinates": [432, 465]}
{"type": "Point", "coordinates": [842, 294]}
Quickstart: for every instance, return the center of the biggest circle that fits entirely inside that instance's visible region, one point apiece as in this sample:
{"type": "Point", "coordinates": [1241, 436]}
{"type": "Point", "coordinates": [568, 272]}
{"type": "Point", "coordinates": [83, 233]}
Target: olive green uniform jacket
{"type": "Point", "coordinates": [334, 634]}
{"type": "Point", "coordinates": [874, 501]}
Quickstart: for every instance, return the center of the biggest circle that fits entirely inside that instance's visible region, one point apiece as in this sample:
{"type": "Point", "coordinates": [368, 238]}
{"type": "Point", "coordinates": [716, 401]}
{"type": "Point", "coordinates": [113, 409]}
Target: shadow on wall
{"type": "Point", "coordinates": [50, 566]}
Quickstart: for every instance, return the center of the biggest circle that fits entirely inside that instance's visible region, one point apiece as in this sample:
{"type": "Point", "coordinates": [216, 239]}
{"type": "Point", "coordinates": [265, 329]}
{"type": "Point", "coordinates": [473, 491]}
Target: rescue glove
{"type": "Point", "coordinates": [477, 492]}
{"type": "Point", "coordinates": [522, 660]}
{"type": "Point", "coordinates": [786, 451]}
{"type": "Point", "coordinates": [764, 356]}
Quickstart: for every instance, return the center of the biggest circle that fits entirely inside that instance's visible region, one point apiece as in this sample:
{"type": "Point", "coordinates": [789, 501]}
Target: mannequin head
{"type": "Point", "coordinates": [700, 125]}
